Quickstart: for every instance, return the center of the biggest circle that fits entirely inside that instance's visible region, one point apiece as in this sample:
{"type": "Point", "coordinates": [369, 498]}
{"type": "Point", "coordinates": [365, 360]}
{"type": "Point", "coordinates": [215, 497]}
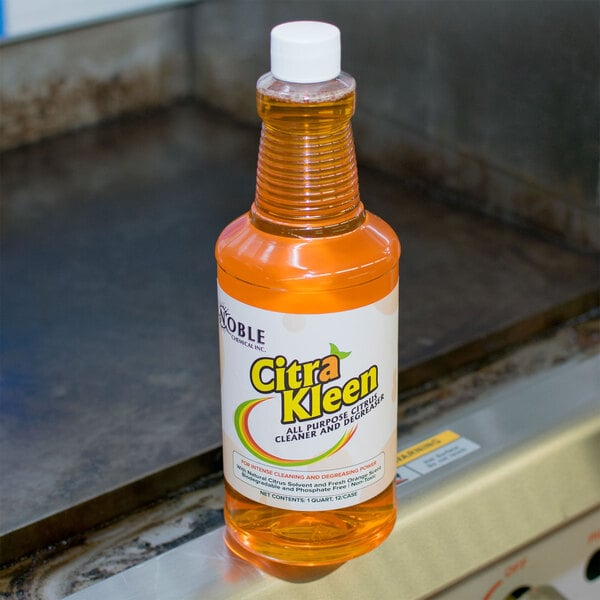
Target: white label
{"type": "Point", "coordinates": [309, 403]}
{"type": "Point", "coordinates": [431, 454]}
{"type": "Point", "coordinates": [443, 456]}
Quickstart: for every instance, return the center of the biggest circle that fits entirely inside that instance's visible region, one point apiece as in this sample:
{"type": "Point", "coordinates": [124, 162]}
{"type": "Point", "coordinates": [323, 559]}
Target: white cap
{"type": "Point", "coordinates": [305, 52]}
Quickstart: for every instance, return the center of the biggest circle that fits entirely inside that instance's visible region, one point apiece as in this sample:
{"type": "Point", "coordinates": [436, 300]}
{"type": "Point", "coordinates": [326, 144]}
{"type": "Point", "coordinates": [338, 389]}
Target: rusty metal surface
{"type": "Point", "coordinates": [496, 107]}
{"type": "Point", "coordinates": [109, 362]}
{"type": "Point", "coordinates": [57, 83]}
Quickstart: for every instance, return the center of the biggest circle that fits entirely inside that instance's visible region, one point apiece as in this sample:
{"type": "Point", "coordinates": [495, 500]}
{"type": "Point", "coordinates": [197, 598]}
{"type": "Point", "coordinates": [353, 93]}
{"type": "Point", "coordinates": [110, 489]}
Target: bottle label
{"type": "Point", "coordinates": [309, 403]}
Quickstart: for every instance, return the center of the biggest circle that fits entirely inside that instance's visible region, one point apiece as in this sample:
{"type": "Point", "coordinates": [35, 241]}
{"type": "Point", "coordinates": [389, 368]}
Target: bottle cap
{"type": "Point", "coordinates": [305, 52]}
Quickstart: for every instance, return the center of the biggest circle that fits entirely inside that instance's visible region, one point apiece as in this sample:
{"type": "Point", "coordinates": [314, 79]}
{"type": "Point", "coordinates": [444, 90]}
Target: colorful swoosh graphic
{"type": "Point", "coordinates": [242, 415]}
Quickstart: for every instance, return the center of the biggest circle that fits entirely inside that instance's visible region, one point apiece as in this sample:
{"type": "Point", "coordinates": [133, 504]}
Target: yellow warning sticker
{"type": "Point", "coordinates": [425, 447]}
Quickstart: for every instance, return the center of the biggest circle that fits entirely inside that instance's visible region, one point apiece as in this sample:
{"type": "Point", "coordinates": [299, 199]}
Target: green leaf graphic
{"type": "Point", "coordinates": [333, 349]}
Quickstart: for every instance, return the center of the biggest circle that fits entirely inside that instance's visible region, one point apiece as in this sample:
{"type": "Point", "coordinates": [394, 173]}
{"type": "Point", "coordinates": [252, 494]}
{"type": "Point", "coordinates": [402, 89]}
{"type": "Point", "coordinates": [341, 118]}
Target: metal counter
{"type": "Point", "coordinates": [527, 474]}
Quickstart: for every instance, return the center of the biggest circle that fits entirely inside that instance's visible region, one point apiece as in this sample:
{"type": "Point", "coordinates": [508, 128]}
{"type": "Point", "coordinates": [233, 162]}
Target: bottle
{"type": "Point", "coordinates": [308, 303]}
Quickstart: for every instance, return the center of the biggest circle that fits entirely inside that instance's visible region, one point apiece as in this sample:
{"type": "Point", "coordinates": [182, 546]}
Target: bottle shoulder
{"type": "Point", "coordinates": [367, 252]}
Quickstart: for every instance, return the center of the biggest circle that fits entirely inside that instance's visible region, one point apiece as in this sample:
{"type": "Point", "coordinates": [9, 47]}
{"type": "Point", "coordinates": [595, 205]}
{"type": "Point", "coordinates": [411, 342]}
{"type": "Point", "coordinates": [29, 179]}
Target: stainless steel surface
{"type": "Point", "coordinates": [558, 561]}
{"type": "Point", "coordinates": [535, 473]}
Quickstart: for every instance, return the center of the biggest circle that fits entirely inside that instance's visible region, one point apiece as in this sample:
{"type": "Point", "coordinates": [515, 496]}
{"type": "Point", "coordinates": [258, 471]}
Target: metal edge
{"type": "Point", "coordinates": [415, 375]}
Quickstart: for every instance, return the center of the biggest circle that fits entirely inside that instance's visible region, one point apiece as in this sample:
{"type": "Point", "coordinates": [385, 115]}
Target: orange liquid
{"type": "Point", "coordinates": [307, 246]}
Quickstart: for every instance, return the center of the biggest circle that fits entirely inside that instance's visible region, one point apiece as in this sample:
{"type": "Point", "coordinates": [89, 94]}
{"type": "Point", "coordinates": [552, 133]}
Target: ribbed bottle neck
{"type": "Point", "coordinates": [307, 180]}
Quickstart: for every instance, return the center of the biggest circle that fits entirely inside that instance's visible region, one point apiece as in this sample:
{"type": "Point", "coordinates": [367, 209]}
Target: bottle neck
{"type": "Point", "coordinates": [307, 181]}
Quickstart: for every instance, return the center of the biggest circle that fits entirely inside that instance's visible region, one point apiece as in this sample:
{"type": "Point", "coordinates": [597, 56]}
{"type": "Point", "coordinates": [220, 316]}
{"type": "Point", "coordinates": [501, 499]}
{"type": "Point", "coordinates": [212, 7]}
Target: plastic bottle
{"type": "Point", "coordinates": [308, 301]}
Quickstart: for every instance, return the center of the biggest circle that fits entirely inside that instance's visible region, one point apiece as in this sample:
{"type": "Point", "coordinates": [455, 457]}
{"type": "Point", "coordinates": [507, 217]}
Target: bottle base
{"type": "Point", "coordinates": [295, 573]}
{"type": "Point", "coordinates": [305, 543]}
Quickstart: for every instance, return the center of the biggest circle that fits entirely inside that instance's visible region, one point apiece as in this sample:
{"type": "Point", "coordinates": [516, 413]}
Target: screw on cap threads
{"type": "Point", "coordinates": [305, 52]}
